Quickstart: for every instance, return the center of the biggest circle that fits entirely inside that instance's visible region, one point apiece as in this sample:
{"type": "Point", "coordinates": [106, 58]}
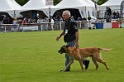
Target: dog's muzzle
{"type": "Point", "coordinates": [61, 51]}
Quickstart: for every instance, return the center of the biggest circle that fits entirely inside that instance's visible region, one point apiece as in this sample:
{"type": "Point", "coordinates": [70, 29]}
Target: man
{"type": "Point", "coordinates": [108, 14]}
{"type": "Point", "coordinates": [71, 35]}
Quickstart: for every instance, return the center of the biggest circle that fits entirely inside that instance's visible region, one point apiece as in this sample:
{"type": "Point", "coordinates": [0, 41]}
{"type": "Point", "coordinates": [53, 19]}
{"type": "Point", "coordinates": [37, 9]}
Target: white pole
{"type": "Point", "coordinates": [41, 27]}
{"type": "Point", "coordinates": [60, 25]}
{"type": "Point", "coordinates": [5, 28]}
{"type": "Point", "coordinates": [80, 23]}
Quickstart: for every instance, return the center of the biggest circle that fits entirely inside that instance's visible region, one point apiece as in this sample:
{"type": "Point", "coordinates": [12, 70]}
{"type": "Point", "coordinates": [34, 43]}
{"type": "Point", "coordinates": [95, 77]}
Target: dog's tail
{"type": "Point", "coordinates": [105, 49]}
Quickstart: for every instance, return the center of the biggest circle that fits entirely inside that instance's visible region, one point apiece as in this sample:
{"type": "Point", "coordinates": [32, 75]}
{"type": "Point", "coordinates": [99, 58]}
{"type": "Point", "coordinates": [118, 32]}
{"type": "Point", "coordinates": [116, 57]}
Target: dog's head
{"type": "Point", "coordinates": [63, 49]}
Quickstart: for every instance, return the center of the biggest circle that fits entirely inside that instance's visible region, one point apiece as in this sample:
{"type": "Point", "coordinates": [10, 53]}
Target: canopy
{"type": "Point", "coordinates": [89, 1]}
{"type": "Point", "coordinates": [15, 3]}
{"type": "Point", "coordinates": [10, 7]}
{"type": "Point", "coordinates": [84, 6]}
{"type": "Point", "coordinates": [7, 5]}
{"type": "Point", "coordinates": [33, 5]}
{"type": "Point", "coordinates": [37, 5]}
{"type": "Point", "coordinates": [114, 5]}
{"type": "Point", "coordinates": [73, 4]}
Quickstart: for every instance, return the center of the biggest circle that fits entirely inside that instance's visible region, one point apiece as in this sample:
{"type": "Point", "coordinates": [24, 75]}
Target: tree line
{"type": "Point", "coordinates": [22, 2]}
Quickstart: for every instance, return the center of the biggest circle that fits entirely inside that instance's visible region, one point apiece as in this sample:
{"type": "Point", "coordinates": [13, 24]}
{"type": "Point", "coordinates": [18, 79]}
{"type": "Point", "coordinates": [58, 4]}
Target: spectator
{"type": "Point", "coordinates": [45, 23]}
{"type": "Point", "coordinates": [5, 20]}
{"type": "Point", "coordinates": [24, 22]}
{"type": "Point", "coordinates": [108, 14]}
{"type": "Point", "coordinates": [118, 15]}
{"type": "Point", "coordinates": [114, 15]}
{"type": "Point", "coordinates": [79, 19]}
{"type": "Point", "coordinates": [52, 24]}
{"type": "Point", "coordinates": [15, 23]}
{"type": "Point", "coordinates": [39, 22]}
{"type": "Point", "coordinates": [29, 20]}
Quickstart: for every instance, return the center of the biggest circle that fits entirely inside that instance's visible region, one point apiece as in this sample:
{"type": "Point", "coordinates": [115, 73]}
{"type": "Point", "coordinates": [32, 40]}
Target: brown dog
{"type": "Point", "coordinates": [81, 53]}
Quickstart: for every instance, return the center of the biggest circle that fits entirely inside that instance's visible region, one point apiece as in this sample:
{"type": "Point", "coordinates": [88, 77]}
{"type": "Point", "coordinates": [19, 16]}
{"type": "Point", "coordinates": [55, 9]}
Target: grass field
{"type": "Point", "coordinates": [34, 57]}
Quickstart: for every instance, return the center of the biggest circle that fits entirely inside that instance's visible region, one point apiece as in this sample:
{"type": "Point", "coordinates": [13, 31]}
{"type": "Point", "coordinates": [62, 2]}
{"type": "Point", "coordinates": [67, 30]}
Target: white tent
{"type": "Point", "coordinates": [44, 1]}
{"type": "Point", "coordinates": [33, 5]}
{"type": "Point", "coordinates": [16, 11]}
{"type": "Point", "coordinates": [15, 3]}
{"type": "Point", "coordinates": [113, 4]}
{"type": "Point", "coordinates": [7, 5]}
{"type": "Point", "coordinates": [49, 10]}
{"type": "Point", "coordinates": [89, 1]}
{"type": "Point", "coordinates": [10, 7]}
{"type": "Point", "coordinates": [82, 5]}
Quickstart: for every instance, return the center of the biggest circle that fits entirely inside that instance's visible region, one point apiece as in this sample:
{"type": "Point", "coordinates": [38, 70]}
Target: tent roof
{"type": "Point", "coordinates": [13, 1]}
{"type": "Point", "coordinates": [73, 4]}
{"type": "Point", "coordinates": [44, 1]}
{"type": "Point", "coordinates": [7, 5]}
{"type": "Point", "coordinates": [33, 5]}
{"type": "Point", "coordinates": [112, 3]}
{"type": "Point", "coordinates": [89, 1]}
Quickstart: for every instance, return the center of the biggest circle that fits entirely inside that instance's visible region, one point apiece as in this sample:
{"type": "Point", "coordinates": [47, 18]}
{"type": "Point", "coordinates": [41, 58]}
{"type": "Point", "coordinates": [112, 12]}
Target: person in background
{"type": "Point", "coordinates": [45, 23]}
{"type": "Point", "coordinates": [14, 24]}
{"type": "Point", "coordinates": [71, 35]}
{"type": "Point", "coordinates": [114, 15]}
{"type": "Point", "coordinates": [117, 14]}
{"type": "Point", "coordinates": [39, 22]}
{"type": "Point", "coordinates": [108, 14]}
{"type": "Point", "coordinates": [52, 24]}
{"type": "Point", "coordinates": [24, 22]}
{"type": "Point", "coordinates": [5, 20]}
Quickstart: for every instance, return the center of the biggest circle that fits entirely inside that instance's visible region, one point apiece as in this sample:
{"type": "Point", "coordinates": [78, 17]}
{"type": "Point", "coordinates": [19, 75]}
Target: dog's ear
{"type": "Point", "coordinates": [67, 46]}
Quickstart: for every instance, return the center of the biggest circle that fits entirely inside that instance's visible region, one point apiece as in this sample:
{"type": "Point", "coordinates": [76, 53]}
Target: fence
{"type": "Point", "coordinates": [9, 27]}
{"type": "Point", "coordinates": [59, 25]}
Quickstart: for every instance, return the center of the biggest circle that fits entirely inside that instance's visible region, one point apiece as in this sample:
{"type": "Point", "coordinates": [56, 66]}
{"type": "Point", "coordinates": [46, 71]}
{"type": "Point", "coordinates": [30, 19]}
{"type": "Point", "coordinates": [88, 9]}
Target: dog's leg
{"type": "Point", "coordinates": [97, 57]}
{"type": "Point", "coordinates": [100, 60]}
{"type": "Point", "coordinates": [70, 62]}
{"type": "Point", "coordinates": [94, 61]}
{"type": "Point", "coordinates": [81, 64]}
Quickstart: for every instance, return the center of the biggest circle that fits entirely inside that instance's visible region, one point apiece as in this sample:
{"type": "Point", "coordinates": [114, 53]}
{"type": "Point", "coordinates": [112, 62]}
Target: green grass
{"type": "Point", "coordinates": [34, 57]}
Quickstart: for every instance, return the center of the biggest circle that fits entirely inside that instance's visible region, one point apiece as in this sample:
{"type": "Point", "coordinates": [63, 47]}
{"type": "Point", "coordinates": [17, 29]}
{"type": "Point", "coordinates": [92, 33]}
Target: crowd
{"type": "Point", "coordinates": [109, 15]}
{"type": "Point", "coordinates": [49, 23]}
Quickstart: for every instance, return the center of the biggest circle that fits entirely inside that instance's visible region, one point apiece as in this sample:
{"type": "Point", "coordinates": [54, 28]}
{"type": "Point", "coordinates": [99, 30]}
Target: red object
{"type": "Point", "coordinates": [115, 24]}
{"type": "Point", "coordinates": [24, 22]}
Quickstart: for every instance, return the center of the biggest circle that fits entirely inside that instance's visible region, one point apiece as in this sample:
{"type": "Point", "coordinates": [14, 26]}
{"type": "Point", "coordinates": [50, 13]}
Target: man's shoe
{"type": "Point", "coordinates": [87, 64]}
{"type": "Point", "coordinates": [67, 70]}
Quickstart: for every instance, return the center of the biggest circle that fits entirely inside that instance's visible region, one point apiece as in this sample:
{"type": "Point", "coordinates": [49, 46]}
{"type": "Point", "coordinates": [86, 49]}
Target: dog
{"type": "Point", "coordinates": [81, 53]}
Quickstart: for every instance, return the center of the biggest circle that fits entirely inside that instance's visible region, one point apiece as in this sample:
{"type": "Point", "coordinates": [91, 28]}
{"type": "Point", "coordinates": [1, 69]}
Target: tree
{"type": "Point", "coordinates": [100, 1]}
{"type": "Point", "coordinates": [56, 1]}
{"type": "Point", "coordinates": [22, 2]}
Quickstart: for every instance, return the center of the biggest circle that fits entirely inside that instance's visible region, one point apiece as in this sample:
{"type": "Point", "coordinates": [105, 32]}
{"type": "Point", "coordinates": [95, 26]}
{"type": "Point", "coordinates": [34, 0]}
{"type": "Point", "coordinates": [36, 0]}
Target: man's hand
{"type": "Point", "coordinates": [76, 44]}
{"type": "Point", "coordinates": [57, 38]}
